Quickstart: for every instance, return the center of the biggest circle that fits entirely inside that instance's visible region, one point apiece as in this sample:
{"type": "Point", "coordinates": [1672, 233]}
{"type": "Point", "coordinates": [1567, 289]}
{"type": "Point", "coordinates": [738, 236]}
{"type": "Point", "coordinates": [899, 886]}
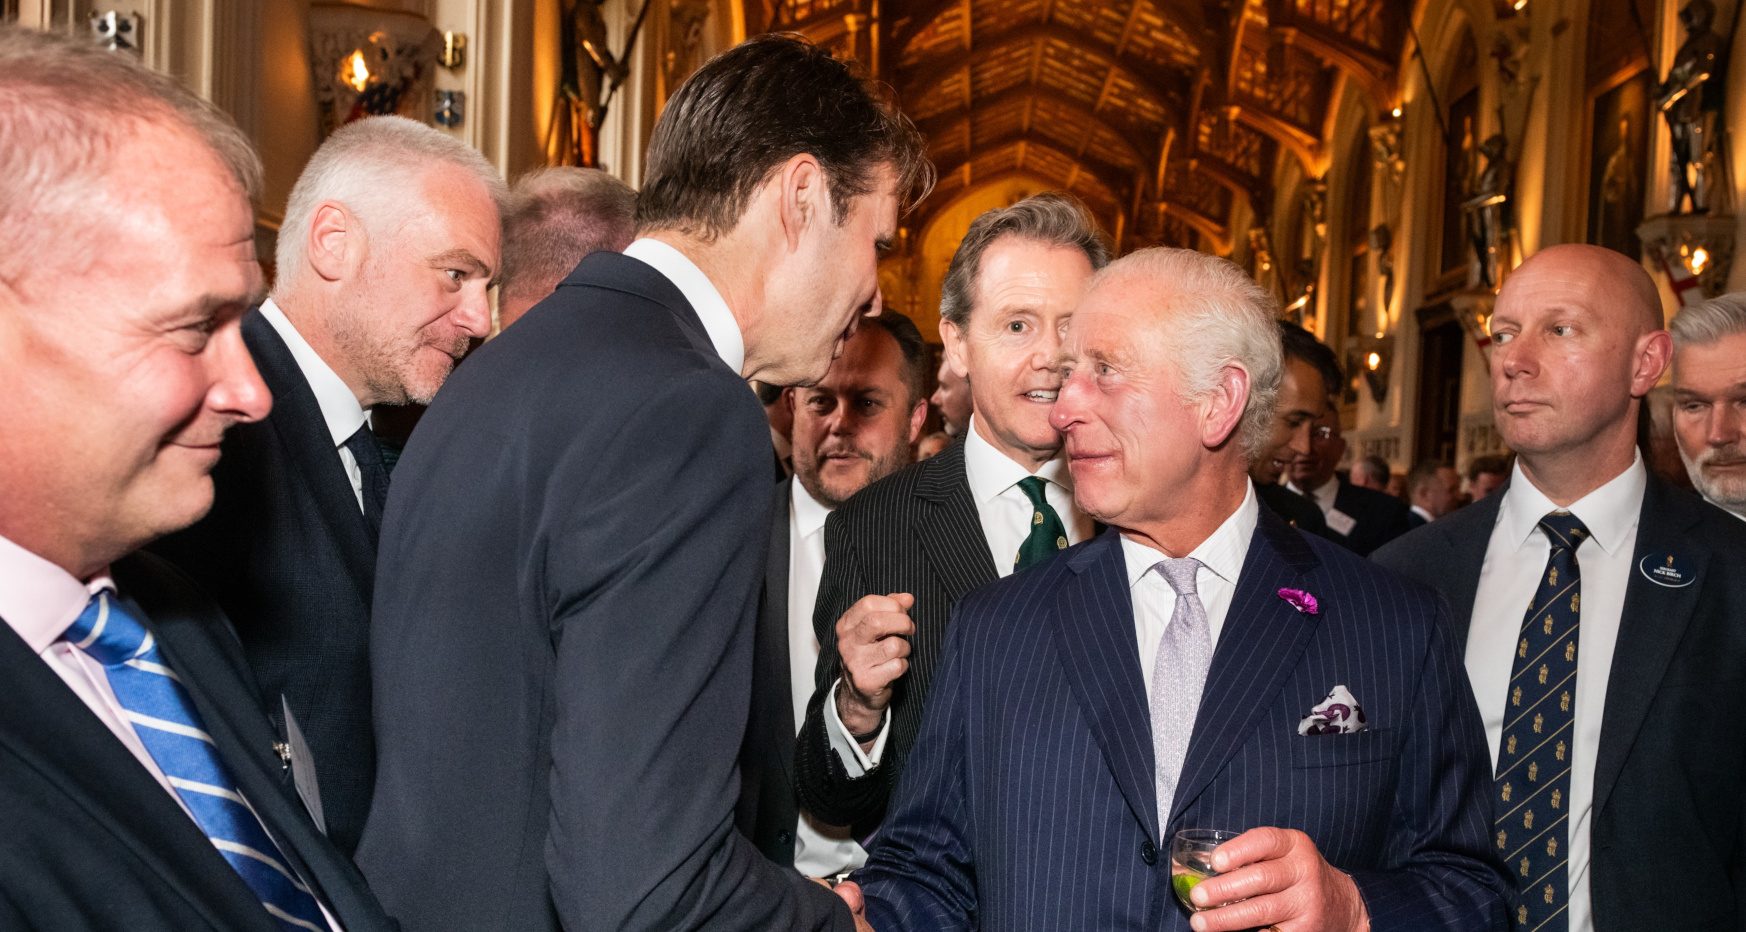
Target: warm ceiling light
{"type": "Point", "coordinates": [1396, 113]}
{"type": "Point", "coordinates": [1520, 4]}
{"type": "Point", "coordinates": [356, 72]}
{"type": "Point", "coordinates": [1374, 360]}
{"type": "Point", "coordinates": [1700, 257]}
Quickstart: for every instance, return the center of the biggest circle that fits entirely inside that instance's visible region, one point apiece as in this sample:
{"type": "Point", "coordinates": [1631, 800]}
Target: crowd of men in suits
{"type": "Point", "coordinates": [612, 644]}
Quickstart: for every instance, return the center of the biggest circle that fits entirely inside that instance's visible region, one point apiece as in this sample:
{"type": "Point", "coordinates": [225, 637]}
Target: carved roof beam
{"type": "Point", "coordinates": [946, 123]}
{"type": "Point", "coordinates": [1166, 87]}
{"type": "Point", "coordinates": [1108, 175]}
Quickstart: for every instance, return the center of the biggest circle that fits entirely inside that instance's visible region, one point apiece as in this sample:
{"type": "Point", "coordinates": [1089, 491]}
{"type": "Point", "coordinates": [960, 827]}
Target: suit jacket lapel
{"type": "Point", "coordinates": [1094, 629]}
{"type": "Point", "coordinates": [50, 729]}
{"type": "Point", "coordinates": [773, 633]}
{"type": "Point", "coordinates": [1467, 534]}
{"type": "Point", "coordinates": [1258, 647]}
{"type": "Point", "coordinates": [949, 527]}
{"type": "Point", "coordinates": [1650, 629]}
{"type": "Point", "coordinates": [303, 435]}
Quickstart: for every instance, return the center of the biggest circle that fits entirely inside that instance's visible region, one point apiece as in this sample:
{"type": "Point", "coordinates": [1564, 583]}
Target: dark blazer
{"type": "Point", "coordinates": [915, 531]}
{"type": "Point", "coordinates": [566, 603]}
{"type": "Point", "coordinates": [287, 554]}
{"type": "Point", "coordinates": [92, 842]}
{"type": "Point", "coordinates": [1296, 510]}
{"type": "Point", "coordinates": [1672, 756]}
{"type": "Point", "coordinates": [768, 809]}
{"type": "Point", "coordinates": [1381, 517]}
{"type": "Point", "coordinates": [1030, 799]}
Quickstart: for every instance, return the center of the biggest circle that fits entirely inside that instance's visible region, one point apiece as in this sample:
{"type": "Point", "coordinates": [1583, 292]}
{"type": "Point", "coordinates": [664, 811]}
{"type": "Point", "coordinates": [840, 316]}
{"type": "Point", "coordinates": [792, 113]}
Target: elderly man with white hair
{"type": "Point", "coordinates": [139, 791]}
{"type": "Point", "coordinates": [1709, 398]}
{"type": "Point", "coordinates": [389, 244]}
{"type": "Point", "coordinates": [1206, 705]}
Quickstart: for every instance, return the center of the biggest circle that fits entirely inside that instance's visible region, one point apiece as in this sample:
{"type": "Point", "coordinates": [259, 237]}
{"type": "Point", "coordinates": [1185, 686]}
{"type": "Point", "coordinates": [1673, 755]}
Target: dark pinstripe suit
{"type": "Point", "coordinates": [1029, 800]}
{"type": "Point", "coordinates": [915, 531]}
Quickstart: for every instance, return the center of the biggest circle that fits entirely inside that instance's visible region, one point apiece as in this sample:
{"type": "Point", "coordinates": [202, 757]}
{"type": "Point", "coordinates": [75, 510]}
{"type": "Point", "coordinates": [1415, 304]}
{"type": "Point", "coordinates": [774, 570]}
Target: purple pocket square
{"type": "Point", "coordinates": [1339, 714]}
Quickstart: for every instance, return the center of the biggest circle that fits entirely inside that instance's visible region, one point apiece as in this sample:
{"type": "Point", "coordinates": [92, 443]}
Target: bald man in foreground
{"type": "Point", "coordinates": [1603, 614]}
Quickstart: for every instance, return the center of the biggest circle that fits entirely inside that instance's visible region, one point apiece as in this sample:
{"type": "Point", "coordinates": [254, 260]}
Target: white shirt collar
{"type": "Point", "coordinates": [1223, 552]}
{"type": "Point", "coordinates": [1422, 513]}
{"type": "Point", "coordinates": [38, 599]}
{"type": "Point", "coordinates": [1610, 512]}
{"type": "Point", "coordinates": [712, 310]}
{"type": "Point", "coordinates": [339, 407]}
{"type": "Point", "coordinates": [991, 472]}
{"type": "Point", "coordinates": [809, 513]}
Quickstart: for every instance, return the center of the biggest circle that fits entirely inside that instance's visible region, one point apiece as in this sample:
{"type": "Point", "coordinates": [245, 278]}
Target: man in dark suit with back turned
{"type": "Point", "coordinates": [1204, 665]}
{"type": "Point", "coordinates": [900, 554]}
{"type": "Point", "coordinates": [1603, 617]}
{"type": "Point", "coordinates": [567, 592]}
{"type": "Point", "coordinates": [855, 427]}
{"type": "Point", "coordinates": [389, 243]}
{"type": "Point", "coordinates": [139, 783]}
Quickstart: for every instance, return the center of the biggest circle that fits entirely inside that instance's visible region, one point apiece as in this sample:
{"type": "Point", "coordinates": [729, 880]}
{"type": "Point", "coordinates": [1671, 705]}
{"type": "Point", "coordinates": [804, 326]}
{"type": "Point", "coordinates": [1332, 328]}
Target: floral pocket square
{"type": "Point", "coordinates": [1339, 714]}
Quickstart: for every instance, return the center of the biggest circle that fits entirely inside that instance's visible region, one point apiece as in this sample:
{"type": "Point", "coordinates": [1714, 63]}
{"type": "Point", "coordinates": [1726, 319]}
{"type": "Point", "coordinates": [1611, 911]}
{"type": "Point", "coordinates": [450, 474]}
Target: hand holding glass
{"type": "Point", "coordinates": [1191, 853]}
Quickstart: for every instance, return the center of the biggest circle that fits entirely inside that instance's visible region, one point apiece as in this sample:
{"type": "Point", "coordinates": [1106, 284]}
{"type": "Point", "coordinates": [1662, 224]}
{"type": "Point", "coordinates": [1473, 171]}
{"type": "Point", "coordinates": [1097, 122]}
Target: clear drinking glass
{"type": "Point", "coordinates": [1191, 852]}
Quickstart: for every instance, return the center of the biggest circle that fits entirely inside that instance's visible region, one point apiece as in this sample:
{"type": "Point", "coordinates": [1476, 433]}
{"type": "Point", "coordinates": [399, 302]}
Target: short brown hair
{"type": "Point", "coordinates": [914, 349]}
{"type": "Point", "coordinates": [66, 107]}
{"type": "Point", "coordinates": [556, 216]}
{"type": "Point", "coordinates": [1051, 218]}
{"type": "Point", "coordinates": [754, 107]}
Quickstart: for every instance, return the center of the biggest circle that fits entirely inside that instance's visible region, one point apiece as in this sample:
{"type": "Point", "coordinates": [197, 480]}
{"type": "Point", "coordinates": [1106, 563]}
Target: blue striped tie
{"type": "Point", "coordinates": [170, 728]}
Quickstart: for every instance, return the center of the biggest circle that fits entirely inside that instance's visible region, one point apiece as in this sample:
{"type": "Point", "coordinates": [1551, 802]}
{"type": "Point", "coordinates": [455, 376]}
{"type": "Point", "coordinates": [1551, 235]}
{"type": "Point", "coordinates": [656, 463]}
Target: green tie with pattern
{"type": "Point", "coordinates": [1048, 536]}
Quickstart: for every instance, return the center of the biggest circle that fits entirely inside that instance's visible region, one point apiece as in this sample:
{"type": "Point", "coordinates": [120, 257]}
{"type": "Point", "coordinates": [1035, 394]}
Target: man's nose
{"type": "Point", "coordinates": [1068, 409]}
{"type": "Point", "coordinates": [1726, 426]}
{"type": "Point", "coordinates": [473, 315]}
{"type": "Point", "coordinates": [237, 390]}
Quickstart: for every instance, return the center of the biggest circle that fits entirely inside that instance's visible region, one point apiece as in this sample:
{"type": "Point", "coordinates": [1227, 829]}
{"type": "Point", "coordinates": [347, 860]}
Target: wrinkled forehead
{"type": "Point", "coordinates": [1128, 314]}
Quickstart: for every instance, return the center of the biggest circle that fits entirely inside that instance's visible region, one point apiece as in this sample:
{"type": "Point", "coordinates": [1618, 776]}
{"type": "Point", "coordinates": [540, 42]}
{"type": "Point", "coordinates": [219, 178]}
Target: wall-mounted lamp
{"type": "Point", "coordinates": [117, 32]}
{"type": "Point", "coordinates": [1374, 358]}
{"type": "Point", "coordinates": [451, 108]}
{"type": "Point", "coordinates": [454, 53]}
{"type": "Point", "coordinates": [355, 71]}
{"type": "Point", "coordinates": [1395, 113]}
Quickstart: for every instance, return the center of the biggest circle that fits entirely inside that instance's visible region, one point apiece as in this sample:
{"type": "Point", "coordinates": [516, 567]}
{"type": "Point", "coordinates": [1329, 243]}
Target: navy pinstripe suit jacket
{"type": "Point", "coordinates": [1028, 802]}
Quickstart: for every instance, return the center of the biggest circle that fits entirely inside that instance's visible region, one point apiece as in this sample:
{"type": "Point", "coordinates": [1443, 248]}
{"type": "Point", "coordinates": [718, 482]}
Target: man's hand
{"type": "Point", "coordinates": [1282, 882]}
{"type": "Point", "coordinates": [851, 894]}
{"type": "Point", "coordinates": [873, 640]}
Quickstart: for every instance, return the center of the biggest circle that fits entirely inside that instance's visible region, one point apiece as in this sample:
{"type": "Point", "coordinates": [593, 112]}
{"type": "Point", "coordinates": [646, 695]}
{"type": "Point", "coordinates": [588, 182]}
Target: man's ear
{"type": "Point", "coordinates": [1654, 352]}
{"type": "Point", "coordinates": [336, 241]}
{"type": "Point", "coordinates": [1222, 411]}
{"type": "Point", "coordinates": [787, 400]}
{"type": "Point", "coordinates": [918, 416]}
{"type": "Point", "coordinates": [801, 197]}
{"type": "Point", "coordinates": [956, 357]}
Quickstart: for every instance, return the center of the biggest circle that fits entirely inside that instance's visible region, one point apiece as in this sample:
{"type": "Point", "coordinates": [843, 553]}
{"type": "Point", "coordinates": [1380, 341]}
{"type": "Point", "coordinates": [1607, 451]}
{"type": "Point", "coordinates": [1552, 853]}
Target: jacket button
{"type": "Point", "coordinates": [785, 837]}
{"type": "Point", "coordinates": [1148, 852]}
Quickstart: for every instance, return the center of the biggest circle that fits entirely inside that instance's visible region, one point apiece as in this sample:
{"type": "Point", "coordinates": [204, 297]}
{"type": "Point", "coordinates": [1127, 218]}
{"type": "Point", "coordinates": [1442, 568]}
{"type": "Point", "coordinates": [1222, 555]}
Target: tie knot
{"type": "Point", "coordinates": [364, 447]}
{"type": "Point", "coordinates": [1033, 487]}
{"type": "Point", "coordinates": [1180, 574]}
{"type": "Point", "coordinates": [1565, 530]}
{"type": "Point", "coordinates": [107, 632]}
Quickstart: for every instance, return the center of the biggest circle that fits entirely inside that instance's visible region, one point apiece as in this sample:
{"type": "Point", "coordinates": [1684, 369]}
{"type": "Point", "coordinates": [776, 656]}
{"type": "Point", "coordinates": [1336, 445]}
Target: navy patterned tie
{"type": "Point", "coordinates": [373, 470]}
{"type": "Point", "coordinates": [170, 727]}
{"type": "Point", "coordinates": [1533, 764]}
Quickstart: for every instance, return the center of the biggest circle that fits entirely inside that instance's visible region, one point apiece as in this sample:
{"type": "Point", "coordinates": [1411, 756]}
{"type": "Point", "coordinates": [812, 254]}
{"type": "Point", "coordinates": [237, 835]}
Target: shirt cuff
{"type": "Point", "coordinates": [858, 762]}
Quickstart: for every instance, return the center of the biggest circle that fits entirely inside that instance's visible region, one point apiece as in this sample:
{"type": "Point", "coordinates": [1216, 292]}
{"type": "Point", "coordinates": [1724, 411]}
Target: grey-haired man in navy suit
{"type": "Point", "coordinates": [1208, 666]}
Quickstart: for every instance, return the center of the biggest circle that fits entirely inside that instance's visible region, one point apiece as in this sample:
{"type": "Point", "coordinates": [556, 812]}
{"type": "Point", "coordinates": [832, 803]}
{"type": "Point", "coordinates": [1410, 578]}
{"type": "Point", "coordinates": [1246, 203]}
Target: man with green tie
{"type": "Point", "coordinates": [901, 553]}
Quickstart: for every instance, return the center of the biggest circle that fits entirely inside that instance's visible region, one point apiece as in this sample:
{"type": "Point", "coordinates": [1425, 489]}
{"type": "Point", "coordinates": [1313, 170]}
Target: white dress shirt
{"type": "Point", "coordinates": [1221, 557]}
{"type": "Point", "coordinates": [1005, 513]}
{"type": "Point", "coordinates": [1422, 513]}
{"type": "Point", "coordinates": [1515, 558]}
{"type": "Point", "coordinates": [40, 601]}
{"type": "Point", "coordinates": [706, 300]}
{"type": "Point", "coordinates": [339, 407]}
{"type": "Point", "coordinates": [820, 850]}
{"type": "Point", "coordinates": [1323, 495]}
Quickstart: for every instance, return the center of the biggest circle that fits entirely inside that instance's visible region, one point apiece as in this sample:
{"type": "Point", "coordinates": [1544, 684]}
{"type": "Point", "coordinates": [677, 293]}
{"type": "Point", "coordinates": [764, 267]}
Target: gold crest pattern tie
{"type": "Point", "coordinates": [1532, 790]}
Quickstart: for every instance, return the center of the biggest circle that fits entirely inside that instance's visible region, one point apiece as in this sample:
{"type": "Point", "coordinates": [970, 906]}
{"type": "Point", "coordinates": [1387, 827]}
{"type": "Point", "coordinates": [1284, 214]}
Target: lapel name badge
{"type": "Point", "coordinates": [1665, 569]}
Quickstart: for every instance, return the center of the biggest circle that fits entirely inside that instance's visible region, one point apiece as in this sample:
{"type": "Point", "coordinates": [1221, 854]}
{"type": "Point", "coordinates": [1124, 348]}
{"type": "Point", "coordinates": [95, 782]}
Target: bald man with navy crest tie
{"type": "Point", "coordinates": [1601, 614]}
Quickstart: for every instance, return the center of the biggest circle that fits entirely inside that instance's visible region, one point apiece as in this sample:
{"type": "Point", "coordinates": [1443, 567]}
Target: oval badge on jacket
{"type": "Point", "coordinates": [1665, 569]}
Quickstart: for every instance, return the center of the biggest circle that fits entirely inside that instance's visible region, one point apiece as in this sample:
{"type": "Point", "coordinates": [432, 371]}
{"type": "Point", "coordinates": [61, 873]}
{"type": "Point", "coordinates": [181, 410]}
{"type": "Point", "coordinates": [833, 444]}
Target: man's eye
{"type": "Point", "coordinates": [455, 275]}
{"type": "Point", "coordinates": [1562, 330]}
{"type": "Point", "coordinates": [1502, 337]}
{"type": "Point", "coordinates": [1017, 326]}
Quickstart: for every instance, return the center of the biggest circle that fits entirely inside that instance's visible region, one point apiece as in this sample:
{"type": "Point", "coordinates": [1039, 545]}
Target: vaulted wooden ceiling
{"type": "Point", "coordinates": [1160, 114]}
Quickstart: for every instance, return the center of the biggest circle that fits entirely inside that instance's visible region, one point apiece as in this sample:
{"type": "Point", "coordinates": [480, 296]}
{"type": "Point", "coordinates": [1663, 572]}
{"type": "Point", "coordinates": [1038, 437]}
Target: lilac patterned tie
{"type": "Point", "coordinates": [1178, 675]}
